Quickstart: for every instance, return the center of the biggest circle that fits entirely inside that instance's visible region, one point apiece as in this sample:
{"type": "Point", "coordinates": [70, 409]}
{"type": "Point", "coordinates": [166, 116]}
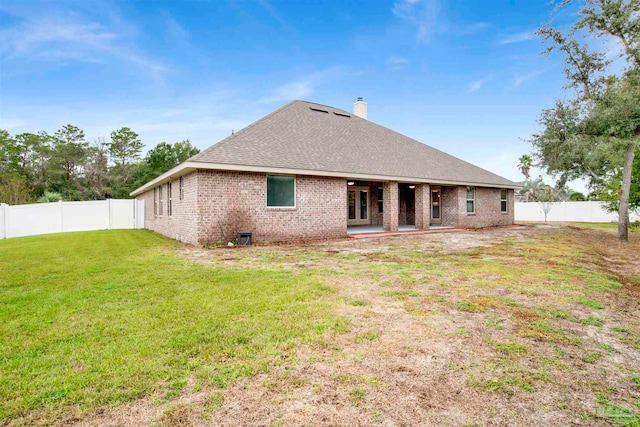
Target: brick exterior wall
{"type": "Point", "coordinates": [216, 205]}
{"type": "Point", "coordinates": [390, 215]}
{"type": "Point", "coordinates": [487, 207]}
{"type": "Point", "coordinates": [183, 223]}
{"type": "Point", "coordinates": [230, 202]}
{"type": "Point", "coordinates": [449, 206]}
{"type": "Point", "coordinates": [423, 206]}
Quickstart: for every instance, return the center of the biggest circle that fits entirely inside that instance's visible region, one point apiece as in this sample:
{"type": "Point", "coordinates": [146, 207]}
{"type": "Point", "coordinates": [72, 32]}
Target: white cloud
{"type": "Point", "coordinates": [518, 37]}
{"type": "Point", "coordinates": [475, 86]}
{"type": "Point", "coordinates": [469, 29]}
{"type": "Point", "coordinates": [301, 88]}
{"type": "Point", "coordinates": [521, 79]}
{"type": "Point", "coordinates": [70, 38]}
{"type": "Point", "coordinates": [396, 63]}
{"type": "Point", "coordinates": [421, 14]}
{"type": "Point", "coordinates": [426, 17]}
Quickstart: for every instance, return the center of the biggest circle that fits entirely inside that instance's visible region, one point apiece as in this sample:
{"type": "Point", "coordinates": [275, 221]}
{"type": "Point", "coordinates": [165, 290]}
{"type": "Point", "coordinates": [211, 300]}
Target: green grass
{"type": "Point", "coordinates": [597, 225]}
{"type": "Point", "coordinates": [101, 318]}
{"type": "Point", "coordinates": [591, 303]}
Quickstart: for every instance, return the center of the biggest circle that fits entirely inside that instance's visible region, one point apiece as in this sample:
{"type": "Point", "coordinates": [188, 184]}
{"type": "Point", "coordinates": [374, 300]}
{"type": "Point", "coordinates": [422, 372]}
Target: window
{"type": "Point", "coordinates": [281, 191]}
{"type": "Point", "coordinates": [160, 198]}
{"type": "Point", "coordinates": [471, 199]}
{"type": "Point", "coordinates": [155, 200]}
{"type": "Point", "coordinates": [380, 200]}
{"type": "Point", "coordinates": [503, 200]}
{"type": "Point", "coordinates": [169, 207]}
{"type": "Point", "coordinates": [181, 188]}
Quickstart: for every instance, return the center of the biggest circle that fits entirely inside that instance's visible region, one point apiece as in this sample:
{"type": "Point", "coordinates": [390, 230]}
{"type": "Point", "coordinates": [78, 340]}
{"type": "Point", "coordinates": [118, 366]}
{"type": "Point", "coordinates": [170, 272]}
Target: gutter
{"type": "Point", "coordinates": [188, 167]}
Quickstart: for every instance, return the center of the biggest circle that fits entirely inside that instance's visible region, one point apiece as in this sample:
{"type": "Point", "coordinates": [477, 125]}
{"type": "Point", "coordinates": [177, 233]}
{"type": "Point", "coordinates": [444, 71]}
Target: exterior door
{"type": "Point", "coordinates": [436, 208]}
{"type": "Point", "coordinates": [358, 206]}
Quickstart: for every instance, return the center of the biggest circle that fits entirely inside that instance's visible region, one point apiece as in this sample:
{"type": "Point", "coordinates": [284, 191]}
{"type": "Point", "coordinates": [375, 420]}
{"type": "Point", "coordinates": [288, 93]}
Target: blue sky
{"type": "Point", "coordinates": [466, 77]}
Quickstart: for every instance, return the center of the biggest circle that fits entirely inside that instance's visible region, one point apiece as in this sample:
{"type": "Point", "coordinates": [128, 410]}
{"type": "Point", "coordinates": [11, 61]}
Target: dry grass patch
{"type": "Point", "coordinates": [521, 326]}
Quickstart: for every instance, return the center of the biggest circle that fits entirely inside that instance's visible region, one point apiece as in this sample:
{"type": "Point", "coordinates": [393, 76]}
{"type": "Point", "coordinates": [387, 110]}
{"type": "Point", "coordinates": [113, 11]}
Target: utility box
{"type": "Point", "coordinates": [245, 238]}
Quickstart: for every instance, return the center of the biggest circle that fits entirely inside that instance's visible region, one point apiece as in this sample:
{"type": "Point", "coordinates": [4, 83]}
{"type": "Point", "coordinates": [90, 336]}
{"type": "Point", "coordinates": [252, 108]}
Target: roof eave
{"type": "Point", "coordinates": [190, 166]}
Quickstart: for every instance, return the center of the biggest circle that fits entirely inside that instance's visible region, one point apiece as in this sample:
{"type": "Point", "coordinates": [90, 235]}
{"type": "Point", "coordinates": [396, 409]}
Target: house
{"type": "Point", "coordinates": [308, 171]}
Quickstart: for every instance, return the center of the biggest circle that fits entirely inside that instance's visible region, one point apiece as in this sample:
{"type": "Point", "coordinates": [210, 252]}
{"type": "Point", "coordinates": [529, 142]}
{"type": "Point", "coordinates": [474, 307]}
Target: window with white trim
{"type": "Point", "coordinates": [160, 200]}
{"type": "Point", "coordinates": [503, 201]}
{"type": "Point", "coordinates": [471, 199]}
{"type": "Point", "coordinates": [155, 200]}
{"type": "Point", "coordinates": [169, 206]}
{"type": "Point", "coordinates": [181, 188]}
{"type": "Point", "coordinates": [281, 191]}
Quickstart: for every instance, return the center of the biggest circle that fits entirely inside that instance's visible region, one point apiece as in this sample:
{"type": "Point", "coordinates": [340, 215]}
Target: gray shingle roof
{"type": "Point", "coordinates": [308, 136]}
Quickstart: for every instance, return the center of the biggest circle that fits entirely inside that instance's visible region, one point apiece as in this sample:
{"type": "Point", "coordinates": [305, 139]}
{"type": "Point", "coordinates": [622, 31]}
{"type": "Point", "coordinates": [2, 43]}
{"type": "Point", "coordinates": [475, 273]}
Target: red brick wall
{"type": "Point", "coordinates": [216, 205]}
{"type": "Point", "coordinates": [487, 207]}
{"type": "Point", "coordinates": [230, 202]}
{"type": "Point", "coordinates": [183, 223]}
{"type": "Point", "coordinates": [391, 206]}
{"type": "Point", "coordinates": [423, 206]}
{"type": "Point", "coordinates": [449, 206]}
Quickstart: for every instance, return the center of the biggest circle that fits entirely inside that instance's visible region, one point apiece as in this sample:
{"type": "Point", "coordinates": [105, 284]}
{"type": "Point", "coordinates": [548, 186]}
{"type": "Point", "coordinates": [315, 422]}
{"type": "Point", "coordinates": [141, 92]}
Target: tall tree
{"type": "Point", "coordinates": [8, 152]}
{"type": "Point", "coordinates": [124, 149]}
{"type": "Point", "coordinates": [595, 134]}
{"type": "Point", "coordinates": [69, 153]}
{"type": "Point", "coordinates": [96, 169]}
{"type": "Point", "coordinates": [525, 164]}
{"type": "Point", "coordinates": [164, 157]}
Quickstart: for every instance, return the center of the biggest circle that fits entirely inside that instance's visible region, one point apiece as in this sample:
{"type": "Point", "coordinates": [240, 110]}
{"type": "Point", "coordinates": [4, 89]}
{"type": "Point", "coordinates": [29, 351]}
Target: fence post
{"type": "Point", "coordinates": [3, 221]}
{"type": "Point", "coordinates": [109, 214]}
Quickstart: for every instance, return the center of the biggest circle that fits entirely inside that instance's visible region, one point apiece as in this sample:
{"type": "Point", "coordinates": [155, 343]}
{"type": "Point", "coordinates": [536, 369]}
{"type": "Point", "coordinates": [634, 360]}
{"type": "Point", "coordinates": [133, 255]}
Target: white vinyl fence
{"type": "Point", "coordinates": [45, 218]}
{"type": "Point", "coordinates": [568, 211]}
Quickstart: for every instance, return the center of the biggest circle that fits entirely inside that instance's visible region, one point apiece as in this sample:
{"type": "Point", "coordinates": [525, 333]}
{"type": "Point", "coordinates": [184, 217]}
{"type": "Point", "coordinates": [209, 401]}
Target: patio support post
{"type": "Point", "coordinates": [423, 204]}
{"type": "Point", "coordinates": [390, 206]}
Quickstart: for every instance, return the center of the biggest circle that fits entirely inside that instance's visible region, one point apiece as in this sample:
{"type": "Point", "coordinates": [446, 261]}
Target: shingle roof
{"type": "Point", "coordinates": [314, 137]}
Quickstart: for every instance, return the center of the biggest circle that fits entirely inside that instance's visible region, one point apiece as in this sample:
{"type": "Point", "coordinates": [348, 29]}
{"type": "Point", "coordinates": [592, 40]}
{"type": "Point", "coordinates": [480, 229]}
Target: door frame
{"type": "Point", "coordinates": [432, 203]}
{"type": "Point", "coordinates": [358, 191]}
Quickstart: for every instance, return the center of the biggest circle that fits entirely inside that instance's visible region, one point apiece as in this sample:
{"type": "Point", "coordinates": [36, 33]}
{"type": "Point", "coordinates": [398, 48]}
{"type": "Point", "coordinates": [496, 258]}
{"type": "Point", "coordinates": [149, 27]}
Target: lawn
{"type": "Point", "coordinates": [102, 318]}
{"type": "Point", "coordinates": [523, 326]}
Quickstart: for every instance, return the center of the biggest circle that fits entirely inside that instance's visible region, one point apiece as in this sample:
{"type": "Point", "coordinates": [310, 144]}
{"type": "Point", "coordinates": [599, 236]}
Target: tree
{"type": "Point", "coordinates": [124, 149]}
{"type": "Point", "coordinates": [164, 157]}
{"type": "Point", "coordinates": [547, 200]}
{"type": "Point", "coordinates": [533, 189]}
{"type": "Point", "coordinates": [96, 168]}
{"type": "Point", "coordinates": [14, 190]}
{"type": "Point", "coordinates": [577, 196]}
{"type": "Point", "coordinates": [68, 156]}
{"type": "Point", "coordinates": [595, 134]}
{"type": "Point", "coordinates": [526, 162]}
{"type": "Point", "coordinates": [8, 152]}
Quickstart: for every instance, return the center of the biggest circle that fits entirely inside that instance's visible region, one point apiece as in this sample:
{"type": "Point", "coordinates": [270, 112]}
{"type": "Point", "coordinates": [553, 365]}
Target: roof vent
{"type": "Point", "coordinates": [341, 114]}
{"type": "Point", "coordinates": [319, 110]}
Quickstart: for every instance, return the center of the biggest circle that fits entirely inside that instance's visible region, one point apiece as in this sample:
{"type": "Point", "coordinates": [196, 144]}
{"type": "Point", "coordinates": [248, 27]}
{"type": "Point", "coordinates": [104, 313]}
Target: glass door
{"type": "Point", "coordinates": [358, 206]}
{"type": "Point", "coordinates": [435, 206]}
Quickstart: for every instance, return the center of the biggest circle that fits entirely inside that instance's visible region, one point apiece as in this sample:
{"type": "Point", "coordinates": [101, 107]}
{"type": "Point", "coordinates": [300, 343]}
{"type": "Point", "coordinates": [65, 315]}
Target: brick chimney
{"type": "Point", "coordinates": [360, 108]}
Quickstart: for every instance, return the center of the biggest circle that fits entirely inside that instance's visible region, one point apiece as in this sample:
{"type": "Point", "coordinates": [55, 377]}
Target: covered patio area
{"type": "Point", "coordinates": [378, 206]}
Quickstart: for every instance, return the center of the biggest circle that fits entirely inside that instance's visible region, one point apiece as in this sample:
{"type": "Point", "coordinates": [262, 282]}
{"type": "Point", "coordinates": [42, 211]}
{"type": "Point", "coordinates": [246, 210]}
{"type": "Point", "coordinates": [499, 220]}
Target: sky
{"type": "Point", "coordinates": [465, 76]}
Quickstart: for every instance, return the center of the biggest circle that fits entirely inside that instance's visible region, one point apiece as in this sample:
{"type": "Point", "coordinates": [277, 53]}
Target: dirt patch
{"type": "Point", "coordinates": [525, 326]}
